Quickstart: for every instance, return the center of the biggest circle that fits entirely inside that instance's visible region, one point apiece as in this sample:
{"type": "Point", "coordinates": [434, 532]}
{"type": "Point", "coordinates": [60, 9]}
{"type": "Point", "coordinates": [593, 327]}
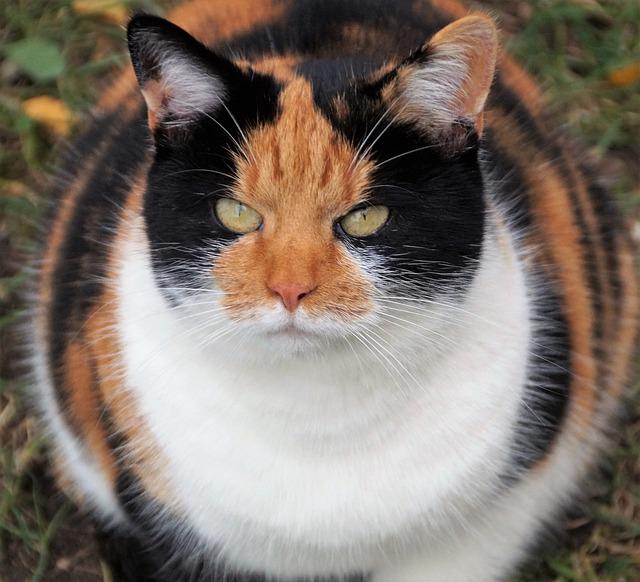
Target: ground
{"type": "Point", "coordinates": [586, 54]}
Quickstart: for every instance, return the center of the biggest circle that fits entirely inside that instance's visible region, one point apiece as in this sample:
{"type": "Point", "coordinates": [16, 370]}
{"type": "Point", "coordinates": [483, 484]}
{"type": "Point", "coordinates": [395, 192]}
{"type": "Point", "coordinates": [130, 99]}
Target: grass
{"type": "Point", "coordinates": [581, 51]}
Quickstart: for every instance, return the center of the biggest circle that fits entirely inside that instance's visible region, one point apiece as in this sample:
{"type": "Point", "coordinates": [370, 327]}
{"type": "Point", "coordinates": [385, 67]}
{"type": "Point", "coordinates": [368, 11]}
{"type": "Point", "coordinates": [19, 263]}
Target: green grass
{"type": "Point", "coordinates": [572, 46]}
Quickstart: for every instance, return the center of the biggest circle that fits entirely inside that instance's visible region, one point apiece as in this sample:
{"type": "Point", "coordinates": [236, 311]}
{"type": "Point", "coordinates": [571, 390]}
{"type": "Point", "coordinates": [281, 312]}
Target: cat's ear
{"type": "Point", "coordinates": [179, 77]}
{"type": "Point", "coordinates": [443, 87]}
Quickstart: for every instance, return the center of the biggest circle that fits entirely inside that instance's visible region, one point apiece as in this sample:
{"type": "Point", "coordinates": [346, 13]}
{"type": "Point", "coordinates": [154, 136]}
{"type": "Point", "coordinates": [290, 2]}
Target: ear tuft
{"type": "Point", "coordinates": [176, 73]}
{"type": "Point", "coordinates": [444, 86]}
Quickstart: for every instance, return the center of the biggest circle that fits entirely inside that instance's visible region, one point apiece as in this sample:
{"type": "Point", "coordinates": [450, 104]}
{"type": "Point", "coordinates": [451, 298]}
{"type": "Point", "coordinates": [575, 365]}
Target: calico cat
{"type": "Point", "coordinates": [326, 298]}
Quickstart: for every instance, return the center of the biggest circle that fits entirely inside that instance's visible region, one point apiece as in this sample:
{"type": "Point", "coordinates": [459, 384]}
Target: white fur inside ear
{"type": "Point", "coordinates": [452, 80]}
{"type": "Point", "coordinates": [189, 88]}
{"type": "Point", "coordinates": [433, 92]}
{"type": "Point", "coordinates": [182, 89]}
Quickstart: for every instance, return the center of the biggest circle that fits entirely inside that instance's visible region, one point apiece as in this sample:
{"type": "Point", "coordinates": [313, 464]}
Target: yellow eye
{"type": "Point", "coordinates": [236, 216]}
{"type": "Point", "coordinates": [365, 221]}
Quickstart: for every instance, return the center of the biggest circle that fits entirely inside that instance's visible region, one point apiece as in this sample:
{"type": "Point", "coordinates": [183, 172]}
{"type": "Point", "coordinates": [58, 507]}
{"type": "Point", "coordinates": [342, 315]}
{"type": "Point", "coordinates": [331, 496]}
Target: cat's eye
{"type": "Point", "coordinates": [365, 221]}
{"type": "Point", "coordinates": [237, 217]}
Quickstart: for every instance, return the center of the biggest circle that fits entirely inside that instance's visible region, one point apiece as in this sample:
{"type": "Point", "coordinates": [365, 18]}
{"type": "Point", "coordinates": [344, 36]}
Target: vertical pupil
{"type": "Point", "coordinates": [239, 210]}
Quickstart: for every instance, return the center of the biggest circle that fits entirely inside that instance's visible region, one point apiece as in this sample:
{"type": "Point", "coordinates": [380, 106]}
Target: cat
{"type": "Point", "coordinates": [326, 297]}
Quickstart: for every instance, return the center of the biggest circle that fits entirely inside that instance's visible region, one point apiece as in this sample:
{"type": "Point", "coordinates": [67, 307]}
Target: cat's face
{"type": "Point", "coordinates": [297, 215]}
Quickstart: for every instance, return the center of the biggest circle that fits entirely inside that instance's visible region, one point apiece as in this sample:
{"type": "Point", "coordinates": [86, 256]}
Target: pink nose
{"type": "Point", "coordinates": [291, 294]}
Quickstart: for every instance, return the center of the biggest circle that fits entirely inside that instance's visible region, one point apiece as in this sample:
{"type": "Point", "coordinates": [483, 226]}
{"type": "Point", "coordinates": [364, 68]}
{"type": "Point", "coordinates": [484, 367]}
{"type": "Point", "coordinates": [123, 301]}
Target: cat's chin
{"type": "Point", "coordinates": [287, 336]}
{"type": "Point", "coordinates": [292, 339]}
{"type": "Point", "coordinates": [292, 342]}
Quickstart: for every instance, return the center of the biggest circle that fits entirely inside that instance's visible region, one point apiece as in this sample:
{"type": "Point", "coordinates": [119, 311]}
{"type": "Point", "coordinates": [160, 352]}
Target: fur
{"type": "Point", "coordinates": [436, 396]}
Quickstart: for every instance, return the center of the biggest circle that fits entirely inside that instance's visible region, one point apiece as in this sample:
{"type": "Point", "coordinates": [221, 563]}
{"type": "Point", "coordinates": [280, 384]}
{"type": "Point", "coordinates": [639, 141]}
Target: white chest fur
{"type": "Point", "coordinates": [293, 466]}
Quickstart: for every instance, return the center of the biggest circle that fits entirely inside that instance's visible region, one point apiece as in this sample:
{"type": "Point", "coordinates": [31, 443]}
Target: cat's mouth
{"type": "Point", "coordinates": [292, 330]}
{"type": "Point", "coordinates": [299, 332]}
{"type": "Point", "coordinates": [292, 338]}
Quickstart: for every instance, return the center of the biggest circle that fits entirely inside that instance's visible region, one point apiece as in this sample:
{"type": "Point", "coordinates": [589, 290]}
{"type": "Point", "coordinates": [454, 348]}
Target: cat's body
{"type": "Point", "coordinates": [413, 404]}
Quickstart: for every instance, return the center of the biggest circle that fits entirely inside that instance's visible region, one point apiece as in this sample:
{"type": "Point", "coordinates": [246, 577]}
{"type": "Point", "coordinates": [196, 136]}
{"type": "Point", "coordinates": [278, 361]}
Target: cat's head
{"type": "Point", "coordinates": [296, 201]}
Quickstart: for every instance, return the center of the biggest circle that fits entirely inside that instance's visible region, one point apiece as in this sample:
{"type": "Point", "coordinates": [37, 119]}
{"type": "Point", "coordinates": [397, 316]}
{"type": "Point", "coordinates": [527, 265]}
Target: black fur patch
{"type": "Point", "coordinates": [193, 165]}
{"type": "Point", "coordinates": [329, 77]}
{"type": "Point", "coordinates": [323, 29]}
{"type": "Point", "coordinates": [546, 402]}
{"type": "Point", "coordinates": [82, 263]}
{"type": "Point", "coordinates": [331, 37]}
{"type": "Point", "coordinates": [435, 233]}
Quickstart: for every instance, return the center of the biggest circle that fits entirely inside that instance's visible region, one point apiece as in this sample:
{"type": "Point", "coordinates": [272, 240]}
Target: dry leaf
{"type": "Point", "coordinates": [625, 76]}
{"type": "Point", "coordinates": [13, 188]}
{"type": "Point", "coordinates": [108, 9]}
{"type": "Point", "coordinates": [51, 112]}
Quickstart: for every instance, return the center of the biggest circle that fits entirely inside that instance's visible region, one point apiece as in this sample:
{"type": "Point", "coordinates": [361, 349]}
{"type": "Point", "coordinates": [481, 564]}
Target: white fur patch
{"type": "Point", "coordinates": [433, 91]}
{"type": "Point", "coordinates": [188, 88]}
{"type": "Point", "coordinates": [346, 458]}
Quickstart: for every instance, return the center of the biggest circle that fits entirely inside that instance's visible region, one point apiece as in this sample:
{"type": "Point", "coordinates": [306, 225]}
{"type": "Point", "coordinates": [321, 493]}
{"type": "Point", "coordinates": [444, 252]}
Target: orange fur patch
{"type": "Point", "coordinates": [215, 22]}
{"type": "Point", "coordinates": [281, 68]}
{"type": "Point", "coordinates": [300, 176]}
{"type": "Point", "coordinates": [84, 404]}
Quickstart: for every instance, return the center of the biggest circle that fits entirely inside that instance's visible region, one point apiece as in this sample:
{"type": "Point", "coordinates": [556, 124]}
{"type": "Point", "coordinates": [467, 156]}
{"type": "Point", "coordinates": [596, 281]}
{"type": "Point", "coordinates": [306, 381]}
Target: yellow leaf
{"type": "Point", "coordinates": [13, 188]}
{"type": "Point", "coordinates": [108, 9]}
{"type": "Point", "coordinates": [49, 111]}
{"type": "Point", "coordinates": [625, 76]}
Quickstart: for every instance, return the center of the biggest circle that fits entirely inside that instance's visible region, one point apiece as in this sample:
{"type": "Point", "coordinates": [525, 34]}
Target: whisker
{"type": "Point", "coordinates": [204, 170]}
{"type": "Point", "coordinates": [388, 160]}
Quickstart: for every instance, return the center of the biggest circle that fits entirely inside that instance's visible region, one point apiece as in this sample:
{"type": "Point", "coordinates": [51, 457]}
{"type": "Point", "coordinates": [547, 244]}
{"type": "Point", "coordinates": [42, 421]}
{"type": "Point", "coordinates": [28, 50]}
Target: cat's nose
{"type": "Point", "coordinates": [291, 293]}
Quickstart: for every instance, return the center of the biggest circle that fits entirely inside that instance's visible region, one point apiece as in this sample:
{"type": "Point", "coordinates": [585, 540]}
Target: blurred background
{"type": "Point", "coordinates": [56, 55]}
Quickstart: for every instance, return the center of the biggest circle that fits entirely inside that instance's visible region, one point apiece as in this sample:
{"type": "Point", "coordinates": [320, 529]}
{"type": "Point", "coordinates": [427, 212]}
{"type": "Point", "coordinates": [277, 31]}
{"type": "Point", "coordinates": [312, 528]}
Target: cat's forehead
{"type": "Point", "coordinates": [300, 160]}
